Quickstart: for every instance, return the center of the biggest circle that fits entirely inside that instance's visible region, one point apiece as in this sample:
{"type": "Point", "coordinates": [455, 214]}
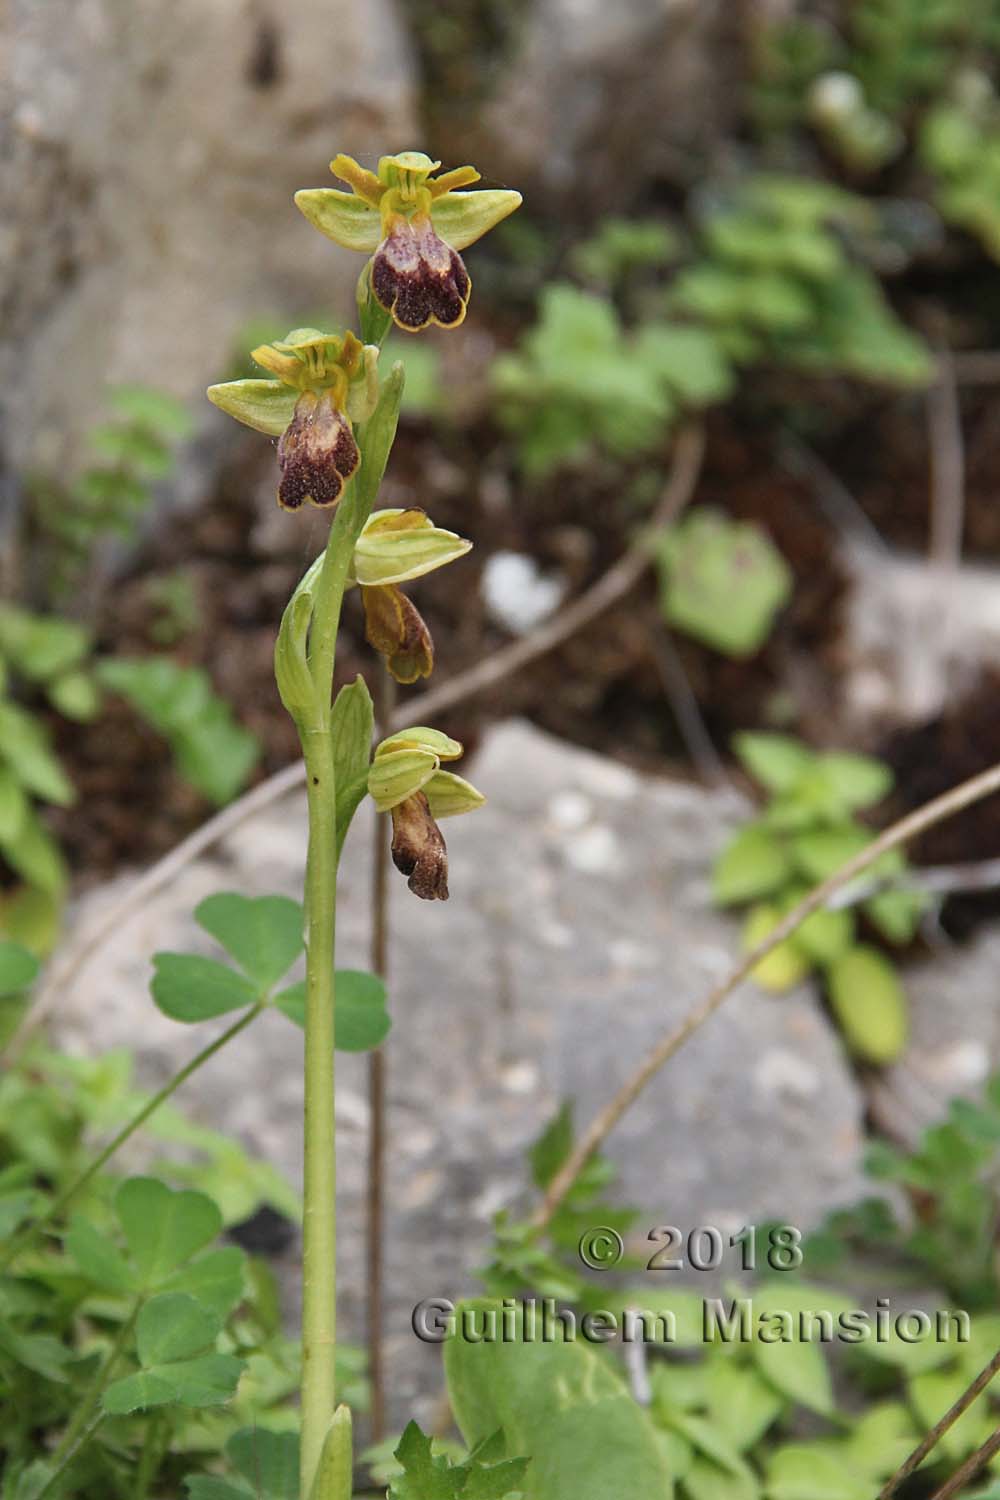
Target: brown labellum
{"type": "Point", "coordinates": [419, 850]}
{"type": "Point", "coordinates": [418, 278]}
{"type": "Point", "coordinates": [317, 453]}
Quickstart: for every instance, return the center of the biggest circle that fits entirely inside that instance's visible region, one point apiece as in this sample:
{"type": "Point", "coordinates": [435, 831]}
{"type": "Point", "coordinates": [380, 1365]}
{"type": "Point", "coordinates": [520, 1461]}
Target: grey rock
{"type": "Point", "coordinates": [954, 1041]}
{"type": "Point", "coordinates": [597, 98]}
{"type": "Point", "coordinates": [580, 927]}
{"type": "Point", "coordinates": [150, 156]}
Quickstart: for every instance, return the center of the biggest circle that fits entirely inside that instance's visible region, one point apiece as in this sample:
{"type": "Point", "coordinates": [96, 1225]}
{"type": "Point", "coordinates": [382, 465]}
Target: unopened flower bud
{"type": "Point", "coordinates": [421, 738]}
{"type": "Point", "coordinates": [419, 850]}
{"type": "Point", "coordinates": [396, 630]}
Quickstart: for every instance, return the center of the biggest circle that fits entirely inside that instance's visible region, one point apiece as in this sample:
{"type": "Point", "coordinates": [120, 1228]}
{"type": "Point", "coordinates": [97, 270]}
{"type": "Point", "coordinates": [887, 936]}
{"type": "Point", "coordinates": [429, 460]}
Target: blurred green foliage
{"type": "Point", "coordinates": [132, 450]}
{"type": "Point", "coordinates": [807, 830]}
{"type": "Point", "coordinates": [207, 1312]}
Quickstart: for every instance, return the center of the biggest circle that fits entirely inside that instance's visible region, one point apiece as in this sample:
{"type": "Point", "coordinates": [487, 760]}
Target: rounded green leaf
{"type": "Point", "coordinates": [559, 1405]}
{"type": "Point", "coordinates": [189, 988]}
{"type": "Point", "coordinates": [174, 1326]}
{"type": "Point", "coordinates": [786, 965]}
{"type": "Point", "coordinates": [775, 760]}
{"type": "Point", "coordinates": [163, 1229]}
{"type": "Point", "coordinates": [362, 1021]}
{"type": "Point", "coordinates": [753, 864]}
{"type": "Point", "coordinates": [869, 1003]}
{"type": "Point", "coordinates": [263, 934]}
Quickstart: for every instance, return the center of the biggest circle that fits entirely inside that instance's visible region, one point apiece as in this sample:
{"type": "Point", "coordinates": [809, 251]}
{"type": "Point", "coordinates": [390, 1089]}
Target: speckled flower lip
{"type": "Point", "coordinates": [317, 453]}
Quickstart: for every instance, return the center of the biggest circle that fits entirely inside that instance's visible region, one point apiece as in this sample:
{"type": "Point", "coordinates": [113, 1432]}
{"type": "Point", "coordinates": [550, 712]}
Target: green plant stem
{"type": "Point", "coordinates": [71, 1439]}
{"type": "Point", "coordinates": [27, 1236]}
{"type": "Point", "coordinates": [68, 1458]}
{"type": "Point", "coordinates": [319, 1223]}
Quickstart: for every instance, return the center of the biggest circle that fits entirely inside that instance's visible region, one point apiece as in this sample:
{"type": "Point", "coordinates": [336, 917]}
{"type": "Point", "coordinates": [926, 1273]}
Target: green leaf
{"type": "Point", "coordinates": [189, 988]}
{"type": "Point", "coordinates": [208, 1487]}
{"type": "Point", "coordinates": [797, 1369]}
{"type": "Point", "coordinates": [362, 1021]}
{"type": "Point", "coordinates": [552, 1147]}
{"type": "Point", "coordinates": [754, 863]}
{"type": "Point", "coordinates": [351, 728]}
{"type": "Point", "coordinates": [825, 935]}
{"type": "Point", "coordinates": [819, 854]}
{"type": "Point", "coordinates": [896, 914]}
{"type": "Point", "coordinates": [721, 581]}
{"type": "Point", "coordinates": [174, 1338]}
{"type": "Point", "coordinates": [689, 359]}
{"type": "Point", "coordinates": [98, 1257]}
{"type": "Point", "coordinates": [213, 752]}
{"type": "Point", "coordinates": [18, 969]}
{"type": "Point", "coordinates": [76, 696]}
{"type": "Point", "coordinates": [484, 1475]}
{"type": "Point", "coordinates": [152, 408]}
{"type": "Point", "coordinates": [559, 1405]}
{"type": "Point", "coordinates": [742, 1405]}
{"type": "Point", "coordinates": [173, 1326]}
{"type": "Point", "coordinates": [36, 857]}
{"type": "Point", "coordinates": [786, 965]}
{"type": "Point", "coordinates": [24, 746]}
{"type": "Point", "coordinates": [807, 1471]}
{"type": "Point", "coordinates": [163, 1229]}
{"type": "Point", "coordinates": [934, 1392]}
{"type": "Point", "coordinates": [869, 1003]}
{"type": "Point", "coordinates": [263, 934]}
{"type": "Point", "coordinates": [269, 1461]}
{"type": "Point", "coordinates": [41, 646]}
{"type": "Point", "coordinates": [880, 1439]}
{"type": "Point", "coordinates": [216, 1280]}
{"type": "Point", "coordinates": [13, 805]}
{"type": "Point", "coordinates": [704, 1480]}
{"type": "Point", "coordinates": [774, 760]}
{"type": "Point", "coordinates": [858, 780]}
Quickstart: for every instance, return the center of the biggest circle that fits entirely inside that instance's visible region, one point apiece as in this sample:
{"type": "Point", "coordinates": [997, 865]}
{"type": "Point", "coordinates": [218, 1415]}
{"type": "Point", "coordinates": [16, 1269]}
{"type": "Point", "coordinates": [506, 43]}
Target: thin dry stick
{"type": "Point", "coordinates": [914, 823]}
{"type": "Point", "coordinates": [969, 1469]}
{"type": "Point", "coordinates": [612, 586]}
{"type": "Point", "coordinates": [377, 1088]}
{"type": "Point", "coordinates": [944, 426]}
{"type": "Point", "coordinates": [684, 707]}
{"type": "Point", "coordinates": [939, 1429]}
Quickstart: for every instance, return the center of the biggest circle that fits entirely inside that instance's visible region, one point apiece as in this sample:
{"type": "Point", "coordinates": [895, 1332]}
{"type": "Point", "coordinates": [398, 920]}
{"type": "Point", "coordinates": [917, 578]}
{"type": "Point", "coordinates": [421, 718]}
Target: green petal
{"type": "Point", "coordinates": [449, 795]}
{"type": "Point", "coordinates": [266, 405]}
{"type": "Point", "coordinates": [462, 218]}
{"type": "Point", "coordinates": [397, 556]}
{"type": "Point", "coordinates": [342, 217]}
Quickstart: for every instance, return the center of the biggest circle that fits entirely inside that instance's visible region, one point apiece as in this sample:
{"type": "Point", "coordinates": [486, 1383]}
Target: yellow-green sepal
{"type": "Point", "coordinates": [266, 405]}
{"type": "Point", "coordinates": [449, 795]}
{"type": "Point", "coordinates": [399, 774]}
{"type": "Point", "coordinates": [463, 218]}
{"type": "Point", "coordinates": [420, 738]}
{"type": "Point", "coordinates": [343, 217]}
{"type": "Point", "coordinates": [334, 1475]}
{"type": "Point", "coordinates": [389, 554]}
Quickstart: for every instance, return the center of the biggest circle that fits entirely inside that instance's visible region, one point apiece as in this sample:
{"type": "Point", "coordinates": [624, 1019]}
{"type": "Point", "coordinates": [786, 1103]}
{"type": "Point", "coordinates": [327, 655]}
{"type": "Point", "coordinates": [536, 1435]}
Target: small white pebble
{"type": "Point", "coordinates": [520, 1077]}
{"type": "Point", "coordinates": [783, 1072]}
{"type": "Point", "coordinates": [570, 810]}
{"type": "Point", "coordinates": [594, 851]}
{"type": "Point", "coordinates": [517, 593]}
